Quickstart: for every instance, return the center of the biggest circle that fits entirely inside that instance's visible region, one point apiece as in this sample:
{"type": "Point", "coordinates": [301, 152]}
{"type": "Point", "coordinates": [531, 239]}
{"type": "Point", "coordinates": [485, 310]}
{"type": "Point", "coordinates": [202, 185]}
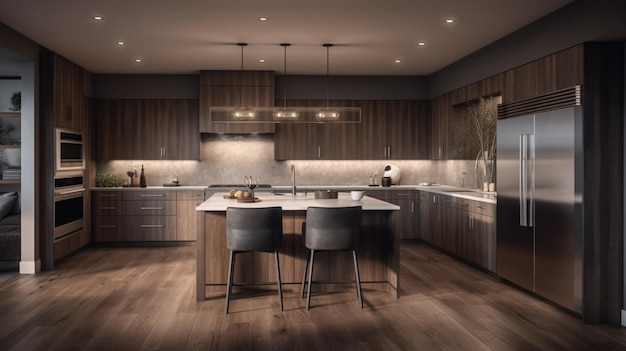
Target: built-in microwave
{"type": "Point", "coordinates": [70, 150]}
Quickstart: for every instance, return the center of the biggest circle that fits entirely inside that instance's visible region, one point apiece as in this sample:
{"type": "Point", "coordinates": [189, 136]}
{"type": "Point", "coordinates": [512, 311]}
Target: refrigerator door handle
{"type": "Point", "coordinates": [523, 174]}
{"type": "Point", "coordinates": [526, 180]}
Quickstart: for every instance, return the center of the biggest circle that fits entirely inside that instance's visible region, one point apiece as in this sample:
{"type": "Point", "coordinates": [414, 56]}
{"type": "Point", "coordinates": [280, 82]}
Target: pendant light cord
{"type": "Point", "coordinates": [327, 72]}
{"type": "Point", "coordinates": [241, 86]}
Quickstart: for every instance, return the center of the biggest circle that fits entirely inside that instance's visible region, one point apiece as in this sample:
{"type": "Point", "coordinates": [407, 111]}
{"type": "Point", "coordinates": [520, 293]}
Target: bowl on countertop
{"type": "Point", "coordinates": [357, 194]}
{"type": "Point", "coordinates": [326, 194]}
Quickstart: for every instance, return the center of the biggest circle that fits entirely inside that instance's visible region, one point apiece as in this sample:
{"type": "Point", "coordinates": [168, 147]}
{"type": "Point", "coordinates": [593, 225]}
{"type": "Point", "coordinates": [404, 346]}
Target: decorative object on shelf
{"type": "Point", "coordinates": [16, 102]}
{"type": "Point", "coordinates": [109, 179]}
{"type": "Point", "coordinates": [142, 178]}
{"type": "Point", "coordinates": [131, 174]}
{"type": "Point", "coordinates": [483, 115]}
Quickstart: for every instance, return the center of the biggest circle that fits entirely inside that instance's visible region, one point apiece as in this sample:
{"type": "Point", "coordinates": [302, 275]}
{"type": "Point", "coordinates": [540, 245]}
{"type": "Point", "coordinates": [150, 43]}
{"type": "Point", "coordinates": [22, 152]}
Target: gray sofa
{"type": "Point", "coordinates": [10, 226]}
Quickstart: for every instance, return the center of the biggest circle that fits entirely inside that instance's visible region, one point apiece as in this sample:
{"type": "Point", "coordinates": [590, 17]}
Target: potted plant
{"type": "Point", "coordinates": [483, 118]}
{"type": "Point", "coordinates": [16, 102]}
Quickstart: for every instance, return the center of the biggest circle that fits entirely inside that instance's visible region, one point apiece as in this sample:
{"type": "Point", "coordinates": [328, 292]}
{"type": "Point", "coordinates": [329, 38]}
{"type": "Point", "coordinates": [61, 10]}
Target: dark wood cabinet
{"type": "Point", "coordinates": [463, 227]}
{"type": "Point", "coordinates": [393, 130]}
{"type": "Point", "coordinates": [406, 218]}
{"type": "Point", "coordinates": [235, 88]}
{"type": "Point", "coordinates": [315, 141]}
{"type": "Point", "coordinates": [139, 215]}
{"type": "Point", "coordinates": [408, 130]}
{"type": "Point", "coordinates": [70, 110]}
{"type": "Point", "coordinates": [148, 129]}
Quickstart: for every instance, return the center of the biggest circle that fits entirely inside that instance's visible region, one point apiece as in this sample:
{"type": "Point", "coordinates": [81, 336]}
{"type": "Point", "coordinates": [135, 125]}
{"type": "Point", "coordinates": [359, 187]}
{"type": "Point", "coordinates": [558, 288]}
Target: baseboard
{"type": "Point", "coordinates": [30, 267]}
{"type": "Point", "coordinates": [623, 318]}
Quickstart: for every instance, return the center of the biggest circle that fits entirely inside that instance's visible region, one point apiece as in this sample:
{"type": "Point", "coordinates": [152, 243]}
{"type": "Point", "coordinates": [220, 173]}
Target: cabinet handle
{"type": "Point", "coordinates": [403, 194]}
{"type": "Point", "coordinates": [434, 199]}
{"type": "Point", "coordinates": [152, 208]}
{"type": "Point", "coordinates": [388, 151]}
{"type": "Point", "coordinates": [108, 208]}
{"type": "Point", "coordinates": [108, 226]}
{"type": "Point", "coordinates": [412, 206]}
{"type": "Point", "coordinates": [319, 152]}
{"type": "Point", "coordinates": [152, 195]}
{"type": "Point", "coordinates": [152, 226]}
{"type": "Point", "coordinates": [164, 152]}
{"type": "Point", "coordinates": [440, 152]}
{"type": "Point", "coordinates": [108, 195]}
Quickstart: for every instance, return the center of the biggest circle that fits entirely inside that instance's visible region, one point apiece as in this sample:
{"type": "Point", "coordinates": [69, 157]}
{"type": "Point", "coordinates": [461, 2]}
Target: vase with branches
{"type": "Point", "coordinates": [483, 118]}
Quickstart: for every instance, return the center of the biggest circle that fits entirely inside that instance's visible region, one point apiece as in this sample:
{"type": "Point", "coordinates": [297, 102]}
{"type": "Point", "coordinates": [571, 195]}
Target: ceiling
{"type": "Point", "coordinates": [183, 37]}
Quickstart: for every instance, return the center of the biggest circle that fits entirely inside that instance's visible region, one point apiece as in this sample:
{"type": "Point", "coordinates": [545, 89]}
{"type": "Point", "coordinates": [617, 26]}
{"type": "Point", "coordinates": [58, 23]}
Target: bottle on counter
{"type": "Point", "coordinates": [142, 178]}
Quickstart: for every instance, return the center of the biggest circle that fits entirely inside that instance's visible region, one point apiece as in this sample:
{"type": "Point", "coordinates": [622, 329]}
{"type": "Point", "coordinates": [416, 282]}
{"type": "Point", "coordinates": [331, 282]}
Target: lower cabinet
{"type": "Point", "coordinates": [462, 227]}
{"type": "Point", "coordinates": [145, 215]}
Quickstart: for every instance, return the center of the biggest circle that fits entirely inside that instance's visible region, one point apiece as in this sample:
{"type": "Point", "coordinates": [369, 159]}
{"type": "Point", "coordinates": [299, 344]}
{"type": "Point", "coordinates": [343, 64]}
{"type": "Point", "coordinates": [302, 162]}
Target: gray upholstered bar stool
{"type": "Point", "coordinates": [253, 229]}
{"type": "Point", "coordinates": [331, 229]}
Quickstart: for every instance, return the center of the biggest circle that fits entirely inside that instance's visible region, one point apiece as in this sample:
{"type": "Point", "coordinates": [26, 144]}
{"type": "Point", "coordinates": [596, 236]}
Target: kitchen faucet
{"type": "Point", "coordinates": [293, 179]}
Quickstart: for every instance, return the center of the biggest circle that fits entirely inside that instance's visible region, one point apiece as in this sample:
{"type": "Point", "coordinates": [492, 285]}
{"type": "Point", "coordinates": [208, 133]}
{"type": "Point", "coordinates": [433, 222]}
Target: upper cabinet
{"type": "Point", "coordinates": [71, 108]}
{"type": "Point", "coordinates": [315, 141]}
{"type": "Point", "coordinates": [147, 129]}
{"type": "Point", "coordinates": [235, 88]}
{"type": "Point", "coordinates": [393, 130]}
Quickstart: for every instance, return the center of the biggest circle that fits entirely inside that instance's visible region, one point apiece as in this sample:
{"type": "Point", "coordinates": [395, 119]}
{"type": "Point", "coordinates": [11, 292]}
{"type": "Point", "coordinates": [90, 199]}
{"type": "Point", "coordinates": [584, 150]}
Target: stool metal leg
{"type": "Point", "coordinates": [358, 279]}
{"type": "Point", "coordinates": [308, 293]}
{"type": "Point", "coordinates": [306, 267]}
{"type": "Point", "coordinates": [229, 286]}
{"type": "Point", "coordinates": [280, 288]}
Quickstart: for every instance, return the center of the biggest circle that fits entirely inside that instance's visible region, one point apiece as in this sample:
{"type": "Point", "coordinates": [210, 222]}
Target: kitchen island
{"type": "Point", "coordinates": [378, 252]}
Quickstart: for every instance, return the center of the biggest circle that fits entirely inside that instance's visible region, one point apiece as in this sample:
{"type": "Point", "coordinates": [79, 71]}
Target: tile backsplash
{"type": "Point", "coordinates": [226, 159]}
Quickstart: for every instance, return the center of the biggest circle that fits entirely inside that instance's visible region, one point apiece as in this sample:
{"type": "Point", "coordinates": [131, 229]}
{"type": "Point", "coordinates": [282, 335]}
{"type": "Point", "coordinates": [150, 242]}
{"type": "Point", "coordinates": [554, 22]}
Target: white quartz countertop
{"type": "Point", "coordinates": [158, 187]}
{"type": "Point", "coordinates": [300, 202]}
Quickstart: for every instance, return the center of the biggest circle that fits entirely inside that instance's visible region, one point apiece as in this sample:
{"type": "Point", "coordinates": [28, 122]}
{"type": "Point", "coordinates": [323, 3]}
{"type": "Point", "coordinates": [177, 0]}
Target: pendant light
{"type": "Point", "coordinates": [243, 113]}
{"type": "Point", "coordinates": [285, 113]}
{"type": "Point", "coordinates": [327, 114]}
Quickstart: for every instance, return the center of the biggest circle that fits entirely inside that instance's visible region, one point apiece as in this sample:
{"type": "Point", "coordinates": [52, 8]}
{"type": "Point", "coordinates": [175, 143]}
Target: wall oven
{"type": "Point", "coordinates": [69, 151]}
{"type": "Point", "coordinates": [69, 191]}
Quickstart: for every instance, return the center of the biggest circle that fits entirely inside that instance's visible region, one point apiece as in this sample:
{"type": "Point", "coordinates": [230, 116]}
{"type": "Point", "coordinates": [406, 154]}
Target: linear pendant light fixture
{"type": "Point", "coordinates": [285, 113]}
{"type": "Point", "coordinates": [243, 113]}
{"type": "Point", "coordinates": [282, 114]}
{"type": "Point", "coordinates": [327, 114]}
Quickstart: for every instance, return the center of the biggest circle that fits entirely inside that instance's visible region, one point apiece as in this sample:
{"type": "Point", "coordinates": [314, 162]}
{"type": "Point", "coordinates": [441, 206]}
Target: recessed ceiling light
{"type": "Point", "coordinates": [97, 18]}
{"type": "Point", "coordinates": [263, 19]}
{"type": "Point", "coordinates": [397, 61]}
{"type": "Point", "coordinates": [449, 20]}
{"type": "Point", "coordinates": [262, 60]}
{"type": "Point", "coordinates": [138, 60]}
{"type": "Point", "coordinates": [421, 43]}
{"type": "Point", "coordinates": [120, 43]}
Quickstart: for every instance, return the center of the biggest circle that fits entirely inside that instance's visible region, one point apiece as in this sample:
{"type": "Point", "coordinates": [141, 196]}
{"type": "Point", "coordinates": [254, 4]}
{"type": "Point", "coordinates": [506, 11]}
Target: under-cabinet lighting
{"type": "Point", "coordinates": [449, 20]}
{"type": "Point", "coordinates": [97, 18]}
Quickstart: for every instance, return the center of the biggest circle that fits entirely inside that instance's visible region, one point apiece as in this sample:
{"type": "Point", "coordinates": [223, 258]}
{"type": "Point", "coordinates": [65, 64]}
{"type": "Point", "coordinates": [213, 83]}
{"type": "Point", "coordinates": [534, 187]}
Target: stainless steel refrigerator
{"type": "Point", "coordinates": [539, 209]}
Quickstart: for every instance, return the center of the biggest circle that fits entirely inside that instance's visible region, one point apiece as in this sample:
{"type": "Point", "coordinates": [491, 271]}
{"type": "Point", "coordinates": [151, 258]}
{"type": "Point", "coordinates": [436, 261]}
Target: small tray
{"type": "Point", "coordinates": [248, 199]}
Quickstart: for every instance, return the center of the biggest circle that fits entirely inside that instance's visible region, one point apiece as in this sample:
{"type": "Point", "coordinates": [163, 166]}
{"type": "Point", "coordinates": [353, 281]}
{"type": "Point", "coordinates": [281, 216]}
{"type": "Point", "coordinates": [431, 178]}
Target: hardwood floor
{"type": "Point", "coordinates": [144, 299]}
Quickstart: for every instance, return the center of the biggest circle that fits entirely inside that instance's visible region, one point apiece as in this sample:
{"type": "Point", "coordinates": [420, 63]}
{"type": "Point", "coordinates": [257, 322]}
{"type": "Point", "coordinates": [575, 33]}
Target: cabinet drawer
{"type": "Point", "coordinates": [149, 228]}
{"type": "Point", "coordinates": [107, 208]}
{"type": "Point", "coordinates": [378, 194]}
{"type": "Point", "coordinates": [190, 195]}
{"type": "Point", "coordinates": [149, 208]}
{"type": "Point", "coordinates": [445, 200]}
{"type": "Point", "coordinates": [483, 208]}
{"type": "Point", "coordinates": [149, 195]}
{"type": "Point", "coordinates": [107, 228]}
{"type": "Point", "coordinates": [106, 195]}
{"type": "Point", "coordinates": [402, 194]}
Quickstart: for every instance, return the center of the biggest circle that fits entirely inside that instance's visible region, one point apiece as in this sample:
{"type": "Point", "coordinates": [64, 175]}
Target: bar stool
{"type": "Point", "coordinates": [253, 229]}
{"type": "Point", "coordinates": [331, 229]}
